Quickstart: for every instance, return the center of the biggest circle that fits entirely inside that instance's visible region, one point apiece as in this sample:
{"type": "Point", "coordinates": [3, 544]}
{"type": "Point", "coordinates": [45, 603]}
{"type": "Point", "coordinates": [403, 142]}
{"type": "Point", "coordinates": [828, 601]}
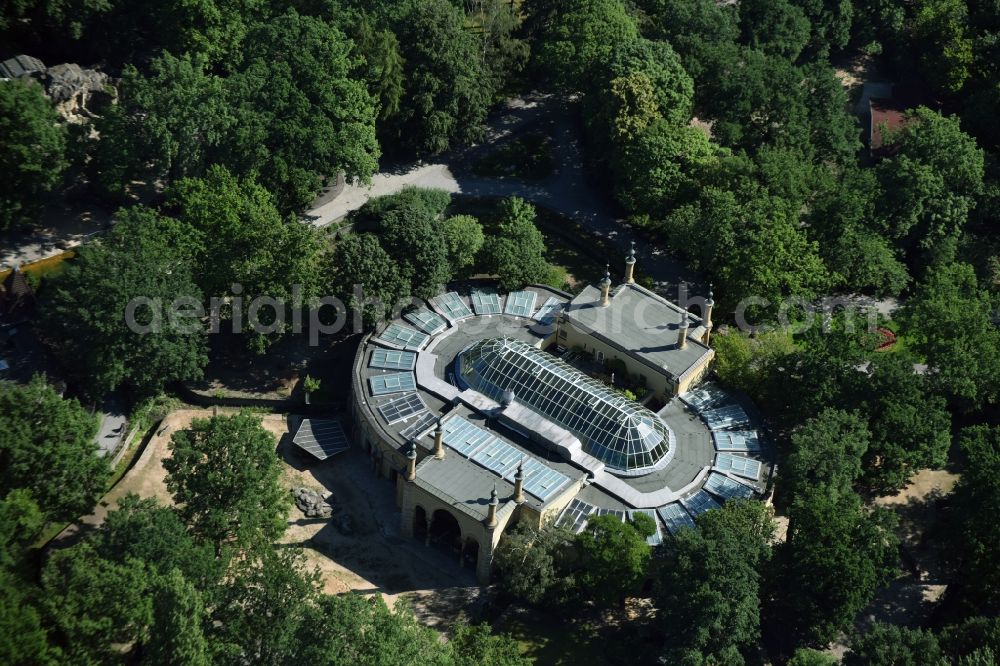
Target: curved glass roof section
{"type": "Point", "coordinates": [628, 438]}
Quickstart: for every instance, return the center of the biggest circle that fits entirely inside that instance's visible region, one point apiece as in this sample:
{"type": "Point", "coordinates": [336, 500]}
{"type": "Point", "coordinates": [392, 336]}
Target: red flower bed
{"type": "Point", "coordinates": [888, 339]}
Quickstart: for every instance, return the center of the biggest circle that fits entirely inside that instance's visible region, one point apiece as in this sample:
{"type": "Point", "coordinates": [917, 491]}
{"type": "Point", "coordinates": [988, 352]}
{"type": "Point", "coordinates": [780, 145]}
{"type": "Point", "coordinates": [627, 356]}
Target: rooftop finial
{"type": "Point", "coordinates": [494, 496]}
{"type": "Point", "coordinates": [631, 252]}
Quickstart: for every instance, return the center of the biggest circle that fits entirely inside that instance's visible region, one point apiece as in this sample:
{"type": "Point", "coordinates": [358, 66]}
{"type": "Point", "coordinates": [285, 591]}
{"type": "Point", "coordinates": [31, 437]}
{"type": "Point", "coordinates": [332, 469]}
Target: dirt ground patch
{"type": "Point", "coordinates": [359, 550]}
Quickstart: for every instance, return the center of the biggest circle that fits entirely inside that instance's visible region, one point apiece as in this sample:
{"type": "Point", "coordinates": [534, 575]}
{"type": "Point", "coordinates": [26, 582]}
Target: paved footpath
{"type": "Point", "coordinates": [567, 191]}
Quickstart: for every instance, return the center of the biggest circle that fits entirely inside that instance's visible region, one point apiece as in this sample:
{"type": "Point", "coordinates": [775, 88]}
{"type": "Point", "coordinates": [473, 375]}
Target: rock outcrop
{"type": "Point", "coordinates": [79, 94]}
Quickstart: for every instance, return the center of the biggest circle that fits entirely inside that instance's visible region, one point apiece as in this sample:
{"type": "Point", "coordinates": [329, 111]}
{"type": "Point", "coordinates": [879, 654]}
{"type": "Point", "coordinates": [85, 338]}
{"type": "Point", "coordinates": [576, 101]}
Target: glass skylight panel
{"type": "Point", "coordinates": [675, 517]}
{"type": "Point", "coordinates": [540, 480]}
{"type": "Point", "coordinates": [427, 321]}
{"type": "Point", "coordinates": [396, 382]}
{"type": "Point", "coordinates": [418, 427]}
{"type": "Point", "coordinates": [654, 539]}
{"type": "Point", "coordinates": [699, 503]}
{"type": "Point", "coordinates": [705, 397]}
{"type": "Point", "coordinates": [502, 458]}
{"type": "Point", "coordinates": [626, 436]}
{"type": "Point", "coordinates": [736, 440]}
{"type": "Point", "coordinates": [728, 417]}
{"type": "Point", "coordinates": [520, 303]}
{"type": "Point", "coordinates": [617, 513]}
{"type": "Point", "coordinates": [738, 465]}
{"type": "Point", "coordinates": [452, 305]}
{"type": "Point", "coordinates": [485, 302]}
{"type": "Point", "coordinates": [498, 456]}
{"type": "Point", "coordinates": [574, 517]}
{"type": "Point", "coordinates": [401, 408]}
{"type": "Point", "coordinates": [726, 488]}
{"type": "Point", "coordinates": [392, 359]}
{"type": "Point", "coordinates": [403, 336]}
{"type": "Point", "coordinates": [547, 313]}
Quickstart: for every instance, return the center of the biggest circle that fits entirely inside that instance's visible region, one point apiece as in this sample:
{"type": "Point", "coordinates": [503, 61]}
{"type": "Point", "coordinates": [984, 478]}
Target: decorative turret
{"type": "Point", "coordinates": [707, 316]}
{"type": "Point", "coordinates": [630, 265]}
{"type": "Point", "coordinates": [411, 463]}
{"type": "Point", "coordinates": [491, 516]}
{"type": "Point", "coordinates": [519, 483]}
{"type": "Point", "coordinates": [606, 287]}
{"type": "Point", "coordinates": [439, 441]}
{"type": "Point", "coordinates": [682, 333]}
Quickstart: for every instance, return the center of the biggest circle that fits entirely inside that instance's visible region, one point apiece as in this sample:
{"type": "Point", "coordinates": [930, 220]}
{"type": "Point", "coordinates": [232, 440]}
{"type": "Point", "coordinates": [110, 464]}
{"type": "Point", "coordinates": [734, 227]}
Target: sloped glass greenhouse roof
{"type": "Point", "coordinates": [626, 436]}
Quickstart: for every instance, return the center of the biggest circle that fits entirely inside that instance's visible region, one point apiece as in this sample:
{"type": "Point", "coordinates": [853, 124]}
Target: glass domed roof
{"type": "Point", "coordinates": [629, 439]}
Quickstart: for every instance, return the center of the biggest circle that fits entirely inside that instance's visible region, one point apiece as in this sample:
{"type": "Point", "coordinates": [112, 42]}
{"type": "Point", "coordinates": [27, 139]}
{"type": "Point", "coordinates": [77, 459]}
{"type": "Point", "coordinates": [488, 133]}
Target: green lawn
{"type": "Point", "coordinates": [528, 157]}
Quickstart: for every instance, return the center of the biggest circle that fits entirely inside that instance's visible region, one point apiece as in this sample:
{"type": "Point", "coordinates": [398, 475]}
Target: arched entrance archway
{"type": "Point", "coordinates": [445, 532]}
{"type": "Point", "coordinates": [420, 523]}
{"type": "Point", "coordinates": [470, 553]}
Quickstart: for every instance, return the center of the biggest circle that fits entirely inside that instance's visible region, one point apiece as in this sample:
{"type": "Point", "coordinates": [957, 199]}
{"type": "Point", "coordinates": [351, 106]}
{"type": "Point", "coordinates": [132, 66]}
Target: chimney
{"type": "Point", "coordinates": [682, 333]}
{"type": "Point", "coordinates": [411, 463]}
{"type": "Point", "coordinates": [606, 288]}
{"type": "Point", "coordinates": [439, 441]}
{"type": "Point", "coordinates": [519, 483]}
{"type": "Point", "coordinates": [491, 516]}
{"type": "Point", "coordinates": [630, 265]}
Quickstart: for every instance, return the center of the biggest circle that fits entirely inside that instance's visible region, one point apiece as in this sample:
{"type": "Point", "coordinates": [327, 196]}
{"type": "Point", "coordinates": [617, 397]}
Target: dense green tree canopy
{"type": "Point", "coordinates": [827, 450]}
{"type": "Point", "coordinates": [223, 473]}
{"type": "Point", "coordinates": [709, 593]}
{"type": "Point", "coordinates": [581, 38]}
{"type": "Point", "coordinates": [463, 238]}
{"type": "Point", "coordinates": [930, 186]}
{"type": "Point", "coordinates": [360, 263]}
{"type": "Point", "coordinates": [47, 447]}
{"type": "Point", "coordinates": [516, 253]}
{"type": "Point", "coordinates": [32, 151]}
{"type": "Point", "coordinates": [167, 124]}
{"type": "Point", "coordinates": [447, 89]}
{"type": "Point", "coordinates": [614, 559]}
{"type": "Point", "coordinates": [776, 27]}
{"type": "Point", "coordinates": [414, 238]}
{"type": "Point", "coordinates": [949, 319]}
{"type": "Point", "coordinates": [891, 645]}
{"type": "Point", "coordinates": [244, 241]}
{"type": "Point", "coordinates": [527, 559]}
{"type": "Point", "coordinates": [142, 269]}
{"type": "Point", "coordinates": [977, 547]}
{"type": "Point", "coordinates": [838, 555]}
{"type": "Point", "coordinates": [300, 115]}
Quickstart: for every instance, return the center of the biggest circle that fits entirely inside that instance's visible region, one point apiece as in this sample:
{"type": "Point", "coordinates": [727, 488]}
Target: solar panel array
{"type": "Point", "coordinates": [675, 517]}
{"type": "Point", "coordinates": [501, 458]}
{"type": "Point", "coordinates": [403, 336]}
{"type": "Point", "coordinates": [396, 382]}
{"type": "Point", "coordinates": [574, 517]}
{"type": "Point", "coordinates": [728, 417]}
{"type": "Point", "coordinates": [654, 539]}
{"type": "Point", "coordinates": [429, 322]}
{"type": "Point", "coordinates": [401, 408]}
{"type": "Point", "coordinates": [738, 465]}
{"type": "Point", "coordinates": [699, 503]}
{"type": "Point", "coordinates": [621, 433]}
{"type": "Point", "coordinates": [418, 427]}
{"type": "Point", "coordinates": [705, 397]}
{"type": "Point", "coordinates": [547, 313]}
{"type": "Point", "coordinates": [726, 488]}
{"type": "Point", "coordinates": [520, 303]}
{"type": "Point", "coordinates": [392, 359]}
{"type": "Point", "coordinates": [453, 306]}
{"type": "Point", "coordinates": [736, 440]}
{"type": "Point", "coordinates": [321, 437]}
{"type": "Point", "coordinates": [485, 302]}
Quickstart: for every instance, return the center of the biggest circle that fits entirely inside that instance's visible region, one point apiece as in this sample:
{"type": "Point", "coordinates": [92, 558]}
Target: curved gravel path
{"type": "Point", "coordinates": [567, 191]}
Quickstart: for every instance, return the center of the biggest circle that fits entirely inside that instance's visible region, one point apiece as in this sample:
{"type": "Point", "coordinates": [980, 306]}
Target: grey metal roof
{"type": "Point", "coordinates": [321, 437]}
{"type": "Point", "coordinates": [641, 324]}
{"type": "Point", "coordinates": [626, 436]}
{"type": "Point", "coordinates": [20, 65]}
